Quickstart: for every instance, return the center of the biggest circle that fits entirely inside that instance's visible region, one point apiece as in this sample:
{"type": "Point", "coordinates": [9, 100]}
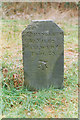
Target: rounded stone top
{"type": "Point", "coordinates": [43, 26]}
{"type": "Point", "coordinates": [42, 20]}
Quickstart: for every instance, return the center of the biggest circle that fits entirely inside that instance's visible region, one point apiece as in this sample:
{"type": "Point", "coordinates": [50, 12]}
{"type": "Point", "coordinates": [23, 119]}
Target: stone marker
{"type": "Point", "coordinates": [43, 55]}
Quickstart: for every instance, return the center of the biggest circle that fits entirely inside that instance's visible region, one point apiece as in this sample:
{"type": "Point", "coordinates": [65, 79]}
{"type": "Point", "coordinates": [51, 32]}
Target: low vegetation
{"type": "Point", "coordinates": [18, 102]}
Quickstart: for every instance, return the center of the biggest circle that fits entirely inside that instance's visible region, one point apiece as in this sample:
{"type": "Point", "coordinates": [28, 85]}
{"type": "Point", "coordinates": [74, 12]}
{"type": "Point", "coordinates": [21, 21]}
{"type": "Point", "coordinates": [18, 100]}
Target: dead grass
{"type": "Point", "coordinates": [55, 14]}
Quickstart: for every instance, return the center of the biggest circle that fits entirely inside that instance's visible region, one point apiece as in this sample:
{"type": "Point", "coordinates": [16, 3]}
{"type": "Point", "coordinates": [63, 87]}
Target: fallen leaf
{"type": "Point", "coordinates": [15, 76]}
{"type": "Point", "coordinates": [5, 70]}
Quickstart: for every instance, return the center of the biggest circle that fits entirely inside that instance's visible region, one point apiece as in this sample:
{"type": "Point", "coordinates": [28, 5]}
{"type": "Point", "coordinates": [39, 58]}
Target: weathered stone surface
{"type": "Point", "coordinates": [43, 55]}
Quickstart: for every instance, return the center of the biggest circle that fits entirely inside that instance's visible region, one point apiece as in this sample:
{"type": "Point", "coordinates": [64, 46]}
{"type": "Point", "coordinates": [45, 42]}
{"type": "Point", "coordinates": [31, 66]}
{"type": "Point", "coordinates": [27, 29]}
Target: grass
{"type": "Point", "coordinates": [18, 102]}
